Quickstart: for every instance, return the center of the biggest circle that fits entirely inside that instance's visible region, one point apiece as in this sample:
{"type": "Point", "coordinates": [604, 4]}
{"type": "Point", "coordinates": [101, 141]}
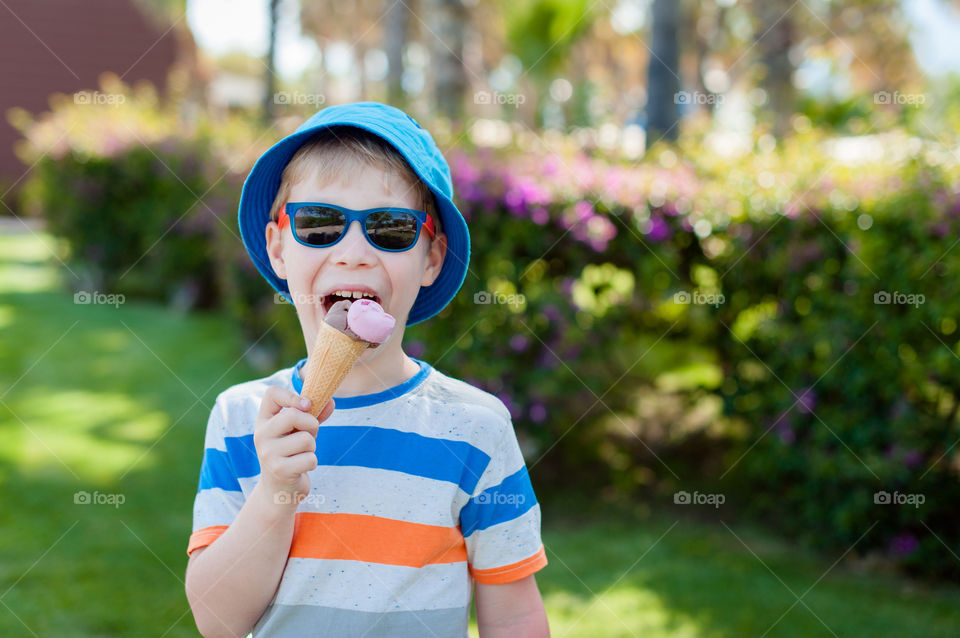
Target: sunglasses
{"type": "Point", "coordinates": [323, 225]}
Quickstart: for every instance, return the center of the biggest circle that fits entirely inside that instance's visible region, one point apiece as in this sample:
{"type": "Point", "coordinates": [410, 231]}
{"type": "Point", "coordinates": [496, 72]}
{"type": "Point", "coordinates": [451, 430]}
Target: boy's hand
{"type": "Point", "coordinates": [285, 441]}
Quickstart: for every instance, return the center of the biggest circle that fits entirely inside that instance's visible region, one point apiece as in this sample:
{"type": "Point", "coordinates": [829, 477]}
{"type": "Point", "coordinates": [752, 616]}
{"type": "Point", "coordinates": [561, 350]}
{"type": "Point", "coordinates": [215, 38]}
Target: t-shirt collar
{"type": "Point", "coordinates": [364, 400]}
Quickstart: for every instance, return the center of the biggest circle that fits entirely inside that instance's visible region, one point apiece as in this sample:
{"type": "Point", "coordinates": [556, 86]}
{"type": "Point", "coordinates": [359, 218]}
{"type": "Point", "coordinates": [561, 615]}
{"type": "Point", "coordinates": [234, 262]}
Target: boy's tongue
{"type": "Point", "coordinates": [362, 319]}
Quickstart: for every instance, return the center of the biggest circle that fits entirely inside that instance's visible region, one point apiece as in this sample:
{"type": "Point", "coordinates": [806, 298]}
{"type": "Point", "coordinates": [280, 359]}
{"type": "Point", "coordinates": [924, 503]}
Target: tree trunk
{"type": "Point", "coordinates": [395, 37]}
{"type": "Point", "coordinates": [663, 82]}
{"type": "Point", "coordinates": [271, 84]}
{"type": "Point", "coordinates": [448, 23]}
{"type": "Point", "coordinates": [776, 36]}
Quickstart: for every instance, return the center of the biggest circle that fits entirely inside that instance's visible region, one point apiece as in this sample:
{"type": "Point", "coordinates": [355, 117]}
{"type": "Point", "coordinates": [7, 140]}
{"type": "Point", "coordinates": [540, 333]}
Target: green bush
{"type": "Point", "coordinates": [701, 316]}
{"type": "Point", "coordinates": [141, 197]}
{"type": "Point", "coordinates": [842, 363]}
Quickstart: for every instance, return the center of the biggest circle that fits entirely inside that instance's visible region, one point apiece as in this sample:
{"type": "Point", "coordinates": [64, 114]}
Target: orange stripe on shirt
{"type": "Point", "coordinates": [374, 539]}
{"type": "Point", "coordinates": [205, 536]}
{"type": "Point", "coordinates": [511, 572]}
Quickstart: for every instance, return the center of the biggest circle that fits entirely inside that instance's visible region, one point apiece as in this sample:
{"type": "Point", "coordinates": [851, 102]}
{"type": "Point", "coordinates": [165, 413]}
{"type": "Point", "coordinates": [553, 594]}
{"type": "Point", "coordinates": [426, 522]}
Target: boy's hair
{"type": "Point", "coordinates": [338, 149]}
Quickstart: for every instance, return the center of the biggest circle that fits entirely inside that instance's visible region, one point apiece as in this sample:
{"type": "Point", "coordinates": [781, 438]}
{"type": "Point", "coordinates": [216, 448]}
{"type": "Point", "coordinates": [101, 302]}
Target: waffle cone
{"type": "Point", "coordinates": [334, 353]}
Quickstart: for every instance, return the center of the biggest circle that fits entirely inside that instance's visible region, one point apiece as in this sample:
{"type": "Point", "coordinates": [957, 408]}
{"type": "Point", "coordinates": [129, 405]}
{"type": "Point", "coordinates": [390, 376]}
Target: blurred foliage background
{"type": "Point", "coordinates": [714, 242]}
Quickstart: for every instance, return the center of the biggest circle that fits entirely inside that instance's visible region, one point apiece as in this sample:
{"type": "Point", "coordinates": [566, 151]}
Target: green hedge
{"type": "Point", "coordinates": [696, 319]}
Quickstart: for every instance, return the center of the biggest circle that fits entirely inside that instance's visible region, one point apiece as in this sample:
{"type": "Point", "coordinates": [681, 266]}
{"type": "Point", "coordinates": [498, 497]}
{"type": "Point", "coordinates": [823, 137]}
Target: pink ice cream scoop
{"type": "Point", "coordinates": [367, 319]}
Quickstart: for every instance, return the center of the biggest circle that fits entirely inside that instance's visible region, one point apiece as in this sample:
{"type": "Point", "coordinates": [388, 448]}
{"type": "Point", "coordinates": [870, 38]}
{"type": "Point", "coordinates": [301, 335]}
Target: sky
{"type": "Point", "coordinates": [220, 26]}
{"type": "Point", "coordinates": [937, 27]}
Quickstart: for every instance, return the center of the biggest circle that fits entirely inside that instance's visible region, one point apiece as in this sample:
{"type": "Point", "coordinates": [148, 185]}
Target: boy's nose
{"type": "Point", "coordinates": [353, 249]}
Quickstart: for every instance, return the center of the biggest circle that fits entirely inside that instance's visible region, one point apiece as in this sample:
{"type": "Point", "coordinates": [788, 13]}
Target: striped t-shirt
{"type": "Point", "coordinates": [419, 490]}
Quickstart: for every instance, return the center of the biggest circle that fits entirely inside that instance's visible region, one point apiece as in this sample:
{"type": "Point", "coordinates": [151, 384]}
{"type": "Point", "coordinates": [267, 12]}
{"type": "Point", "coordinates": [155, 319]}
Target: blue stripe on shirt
{"type": "Point", "coordinates": [456, 462]}
{"type": "Point", "coordinates": [216, 471]}
{"type": "Point", "coordinates": [510, 499]}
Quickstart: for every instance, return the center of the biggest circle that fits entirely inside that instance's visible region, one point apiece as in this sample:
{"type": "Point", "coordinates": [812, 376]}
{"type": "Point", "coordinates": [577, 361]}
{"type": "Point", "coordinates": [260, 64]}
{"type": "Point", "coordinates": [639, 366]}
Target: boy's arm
{"type": "Point", "coordinates": [230, 582]}
{"type": "Point", "coordinates": [513, 610]}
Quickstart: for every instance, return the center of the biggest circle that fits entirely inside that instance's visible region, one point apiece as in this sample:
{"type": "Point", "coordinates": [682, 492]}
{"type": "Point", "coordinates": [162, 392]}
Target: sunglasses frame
{"type": "Point", "coordinates": [289, 213]}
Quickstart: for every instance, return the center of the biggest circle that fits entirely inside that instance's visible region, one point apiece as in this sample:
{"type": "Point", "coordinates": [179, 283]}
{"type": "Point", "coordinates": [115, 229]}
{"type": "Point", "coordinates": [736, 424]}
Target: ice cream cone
{"type": "Point", "coordinates": [334, 353]}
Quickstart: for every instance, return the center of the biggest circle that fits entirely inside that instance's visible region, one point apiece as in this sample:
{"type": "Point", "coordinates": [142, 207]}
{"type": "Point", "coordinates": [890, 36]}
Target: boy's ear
{"type": "Point", "coordinates": [435, 257]}
{"type": "Point", "coordinates": [275, 249]}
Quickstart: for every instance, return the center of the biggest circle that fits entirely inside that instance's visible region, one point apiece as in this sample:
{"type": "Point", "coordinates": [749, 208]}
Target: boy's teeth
{"type": "Point", "coordinates": [355, 294]}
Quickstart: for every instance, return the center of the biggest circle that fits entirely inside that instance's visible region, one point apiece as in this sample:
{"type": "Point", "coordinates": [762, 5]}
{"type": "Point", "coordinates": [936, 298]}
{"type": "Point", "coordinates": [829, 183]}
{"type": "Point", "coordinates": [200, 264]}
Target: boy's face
{"type": "Point", "coordinates": [313, 273]}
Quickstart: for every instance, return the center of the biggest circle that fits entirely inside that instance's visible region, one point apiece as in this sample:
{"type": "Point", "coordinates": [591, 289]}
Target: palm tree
{"type": "Point", "coordinates": [395, 25]}
{"type": "Point", "coordinates": [271, 83]}
{"type": "Point", "coordinates": [448, 22]}
{"type": "Point", "coordinates": [663, 80]}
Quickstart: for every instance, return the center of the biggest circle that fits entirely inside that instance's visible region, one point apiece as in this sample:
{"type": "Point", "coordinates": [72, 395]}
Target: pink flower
{"type": "Point", "coordinates": [584, 210]}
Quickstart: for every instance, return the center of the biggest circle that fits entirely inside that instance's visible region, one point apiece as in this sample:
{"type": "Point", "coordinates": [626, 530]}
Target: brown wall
{"type": "Point", "coordinates": [49, 46]}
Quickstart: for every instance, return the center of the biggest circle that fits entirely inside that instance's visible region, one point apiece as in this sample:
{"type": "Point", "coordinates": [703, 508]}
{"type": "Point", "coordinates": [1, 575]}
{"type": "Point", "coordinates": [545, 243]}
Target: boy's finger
{"type": "Point", "coordinates": [326, 412]}
{"type": "Point", "coordinates": [288, 421]}
{"type": "Point", "coordinates": [277, 398]}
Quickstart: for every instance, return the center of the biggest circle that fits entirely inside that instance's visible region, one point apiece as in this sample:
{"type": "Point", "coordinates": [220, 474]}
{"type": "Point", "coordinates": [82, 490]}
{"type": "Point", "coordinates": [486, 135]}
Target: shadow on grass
{"type": "Point", "coordinates": [111, 402]}
{"type": "Point", "coordinates": [624, 570]}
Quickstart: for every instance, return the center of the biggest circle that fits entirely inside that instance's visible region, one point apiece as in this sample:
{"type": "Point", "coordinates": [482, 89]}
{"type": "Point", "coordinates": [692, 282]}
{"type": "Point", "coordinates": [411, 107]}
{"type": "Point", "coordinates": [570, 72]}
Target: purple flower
{"type": "Point", "coordinates": [547, 360]}
{"type": "Point", "coordinates": [784, 428]}
{"type": "Point", "coordinates": [659, 229]}
{"type": "Point", "coordinates": [538, 412]}
{"type": "Point", "coordinates": [519, 343]}
{"type": "Point", "coordinates": [572, 352]}
{"type": "Point", "coordinates": [904, 545]}
{"type": "Point", "coordinates": [552, 313]}
{"type": "Point", "coordinates": [601, 230]}
{"type": "Point", "coordinates": [806, 401]}
{"type": "Point", "coordinates": [463, 169]}
{"type": "Point", "coordinates": [940, 229]}
{"type": "Point", "coordinates": [416, 349]}
{"type": "Point", "coordinates": [540, 215]}
{"type": "Point", "coordinates": [898, 410]}
{"type": "Point", "coordinates": [511, 406]}
{"type": "Point", "coordinates": [912, 458]}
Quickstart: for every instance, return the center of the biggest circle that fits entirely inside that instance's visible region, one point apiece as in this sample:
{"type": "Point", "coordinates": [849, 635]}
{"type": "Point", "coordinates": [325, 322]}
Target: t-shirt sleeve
{"type": "Point", "coordinates": [501, 521]}
{"type": "Point", "coordinates": [219, 497]}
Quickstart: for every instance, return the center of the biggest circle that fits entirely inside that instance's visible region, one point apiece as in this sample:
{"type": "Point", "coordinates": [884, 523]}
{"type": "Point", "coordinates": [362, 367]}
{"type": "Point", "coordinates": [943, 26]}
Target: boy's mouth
{"type": "Point", "coordinates": [340, 295]}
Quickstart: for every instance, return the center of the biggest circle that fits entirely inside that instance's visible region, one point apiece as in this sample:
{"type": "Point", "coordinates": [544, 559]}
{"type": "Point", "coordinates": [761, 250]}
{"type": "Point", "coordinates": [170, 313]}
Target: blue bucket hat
{"type": "Point", "coordinates": [414, 143]}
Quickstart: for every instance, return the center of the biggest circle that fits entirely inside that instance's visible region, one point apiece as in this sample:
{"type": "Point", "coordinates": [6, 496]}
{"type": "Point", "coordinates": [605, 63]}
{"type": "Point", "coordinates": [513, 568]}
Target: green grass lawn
{"type": "Point", "coordinates": [115, 400]}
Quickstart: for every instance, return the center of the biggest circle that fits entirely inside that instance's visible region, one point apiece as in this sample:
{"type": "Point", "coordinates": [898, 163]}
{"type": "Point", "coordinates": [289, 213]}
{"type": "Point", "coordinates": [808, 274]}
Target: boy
{"type": "Point", "coordinates": [376, 518]}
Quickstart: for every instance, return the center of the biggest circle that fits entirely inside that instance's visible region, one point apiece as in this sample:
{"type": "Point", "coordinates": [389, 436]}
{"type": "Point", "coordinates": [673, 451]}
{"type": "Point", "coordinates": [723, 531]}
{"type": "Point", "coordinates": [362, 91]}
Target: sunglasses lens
{"type": "Point", "coordinates": [392, 230]}
{"type": "Point", "coordinates": [318, 225]}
